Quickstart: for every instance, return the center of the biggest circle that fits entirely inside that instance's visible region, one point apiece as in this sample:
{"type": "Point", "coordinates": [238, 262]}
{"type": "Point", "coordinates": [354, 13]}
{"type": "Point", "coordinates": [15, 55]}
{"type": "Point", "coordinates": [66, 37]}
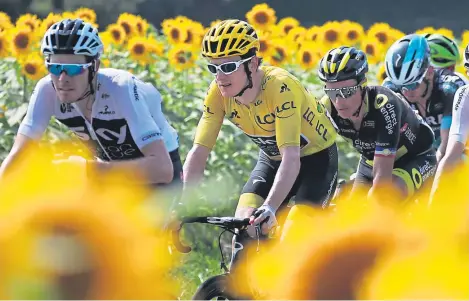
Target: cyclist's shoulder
{"type": "Point", "coordinates": [380, 95]}
{"type": "Point", "coordinates": [278, 80]}
{"type": "Point", "coordinates": [448, 81]}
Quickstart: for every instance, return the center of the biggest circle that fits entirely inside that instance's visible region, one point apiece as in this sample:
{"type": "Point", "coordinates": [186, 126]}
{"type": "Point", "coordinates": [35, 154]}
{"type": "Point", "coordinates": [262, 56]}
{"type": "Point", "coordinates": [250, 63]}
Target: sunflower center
{"type": "Point", "coordinates": [307, 57]}
{"type": "Point", "coordinates": [383, 75]}
{"type": "Point", "coordinates": [30, 69]}
{"type": "Point", "coordinates": [352, 35]}
{"type": "Point", "coordinates": [280, 55]}
{"type": "Point", "coordinates": [139, 49]}
{"type": "Point", "coordinates": [382, 37]}
{"type": "Point", "coordinates": [116, 35]}
{"type": "Point", "coordinates": [261, 18]}
{"type": "Point", "coordinates": [189, 37]}
{"type": "Point", "coordinates": [369, 49]}
{"type": "Point", "coordinates": [263, 46]}
{"type": "Point", "coordinates": [126, 27]}
{"type": "Point", "coordinates": [287, 28]}
{"type": "Point", "coordinates": [181, 59]}
{"type": "Point", "coordinates": [21, 41]}
{"type": "Point", "coordinates": [331, 35]}
{"type": "Point", "coordinates": [139, 27]}
{"type": "Point", "coordinates": [174, 33]}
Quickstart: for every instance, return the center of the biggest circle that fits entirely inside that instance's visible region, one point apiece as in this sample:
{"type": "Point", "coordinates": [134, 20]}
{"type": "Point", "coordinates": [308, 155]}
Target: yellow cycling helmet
{"type": "Point", "coordinates": [228, 38]}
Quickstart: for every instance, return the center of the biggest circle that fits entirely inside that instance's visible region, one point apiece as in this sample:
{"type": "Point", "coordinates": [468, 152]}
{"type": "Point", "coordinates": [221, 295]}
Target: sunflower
{"type": "Point", "coordinates": [331, 34]}
{"type": "Point", "coordinates": [22, 39]}
{"type": "Point", "coordinates": [86, 14]}
{"type": "Point", "coordinates": [141, 26]}
{"type": "Point", "coordinates": [50, 20]}
{"type": "Point", "coordinates": [4, 45]}
{"type": "Point", "coordinates": [374, 50]}
{"type": "Point", "coordinates": [381, 32]}
{"type": "Point", "coordinates": [261, 16]}
{"type": "Point", "coordinates": [127, 21]}
{"type": "Point", "coordinates": [105, 63]}
{"type": "Point", "coordinates": [280, 53]}
{"type": "Point", "coordinates": [32, 66]}
{"type": "Point", "coordinates": [181, 57]}
{"type": "Point", "coordinates": [266, 45]}
{"type": "Point", "coordinates": [297, 35]}
{"type": "Point", "coordinates": [139, 50]}
{"type": "Point", "coordinates": [394, 35]}
{"type": "Point", "coordinates": [117, 34]}
{"type": "Point", "coordinates": [287, 24]}
{"type": "Point", "coordinates": [175, 31]}
{"type": "Point", "coordinates": [445, 32]}
{"type": "Point", "coordinates": [354, 32]}
{"type": "Point", "coordinates": [195, 33]}
{"type": "Point", "coordinates": [307, 56]}
{"type": "Point", "coordinates": [461, 70]}
{"type": "Point", "coordinates": [381, 75]}
{"type": "Point", "coordinates": [426, 30]}
{"type": "Point", "coordinates": [29, 20]}
{"type": "Point", "coordinates": [312, 33]}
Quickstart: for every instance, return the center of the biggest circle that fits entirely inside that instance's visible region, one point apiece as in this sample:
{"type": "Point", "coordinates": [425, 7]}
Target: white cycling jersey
{"type": "Point", "coordinates": [126, 116]}
{"type": "Point", "coordinates": [460, 125]}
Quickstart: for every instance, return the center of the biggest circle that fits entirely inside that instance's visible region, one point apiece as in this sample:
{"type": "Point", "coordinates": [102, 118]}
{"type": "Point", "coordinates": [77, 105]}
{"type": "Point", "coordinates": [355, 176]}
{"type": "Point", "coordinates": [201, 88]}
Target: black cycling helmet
{"type": "Point", "coordinates": [72, 37]}
{"type": "Point", "coordinates": [343, 63]}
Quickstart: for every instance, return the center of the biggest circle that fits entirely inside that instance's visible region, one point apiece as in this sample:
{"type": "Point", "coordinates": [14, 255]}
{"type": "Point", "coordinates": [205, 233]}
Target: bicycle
{"type": "Point", "coordinates": [219, 286]}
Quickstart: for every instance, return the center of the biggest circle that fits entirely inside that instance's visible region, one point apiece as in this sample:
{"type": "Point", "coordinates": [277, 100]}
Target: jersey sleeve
{"type": "Point", "coordinates": [212, 118]}
{"type": "Point", "coordinates": [40, 110]}
{"type": "Point", "coordinates": [451, 83]}
{"type": "Point", "coordinates": [460, 125]}
{"type": "Point", "coordinates": [136, 112]}
{"type": "Point", "coordinates": [388, 122]}
{"type": "Point", "coordinates": [288, 104]}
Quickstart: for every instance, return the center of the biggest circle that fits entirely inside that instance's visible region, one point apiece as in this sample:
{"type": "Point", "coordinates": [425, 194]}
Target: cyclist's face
{"type": "Point", "coordinates": [230, 84]}
{"type": "Point", "coordinates": [346, 98]}
{"type": "Point", "coordinates": [69, 88]}
{"type": "Point", "coordinates": [416, 94]}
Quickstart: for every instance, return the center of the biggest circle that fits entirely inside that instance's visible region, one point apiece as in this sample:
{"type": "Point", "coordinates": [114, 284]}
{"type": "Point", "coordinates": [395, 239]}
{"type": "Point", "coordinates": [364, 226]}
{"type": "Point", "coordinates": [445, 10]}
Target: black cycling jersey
{"type": "Point", "coordinates": [389, 127]}
{"type": "Point", "coordinates": [440, 103]}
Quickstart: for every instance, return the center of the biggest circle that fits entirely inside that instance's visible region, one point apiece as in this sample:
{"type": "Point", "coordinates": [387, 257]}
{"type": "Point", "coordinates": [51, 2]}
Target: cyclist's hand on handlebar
{"type": "Point", "coordinates": [264, 216]}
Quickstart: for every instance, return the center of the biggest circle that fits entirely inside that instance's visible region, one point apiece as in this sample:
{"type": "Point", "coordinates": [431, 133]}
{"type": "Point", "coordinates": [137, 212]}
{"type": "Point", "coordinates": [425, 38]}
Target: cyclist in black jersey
{"type": "Point", "coordinates": [394, 142]}
{"type": "Point", "coordinates": [429, 91]}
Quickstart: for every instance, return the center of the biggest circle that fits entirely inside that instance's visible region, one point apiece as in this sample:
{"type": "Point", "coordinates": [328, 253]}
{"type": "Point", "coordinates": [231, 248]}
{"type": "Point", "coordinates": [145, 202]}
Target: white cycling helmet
{"type": "Point", "coordinates": [72, 37]}
{"type": "Point", "coordinates": [407, 60]}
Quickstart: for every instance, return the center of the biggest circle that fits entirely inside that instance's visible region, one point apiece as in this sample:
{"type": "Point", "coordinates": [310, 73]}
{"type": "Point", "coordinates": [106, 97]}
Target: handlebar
{"type": "Point", "coordinates": [228, 223]}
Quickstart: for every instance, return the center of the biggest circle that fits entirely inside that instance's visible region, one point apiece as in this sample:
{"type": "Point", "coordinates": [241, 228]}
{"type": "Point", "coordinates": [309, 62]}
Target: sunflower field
{"type": "Point", "coordinates": [168, 56]}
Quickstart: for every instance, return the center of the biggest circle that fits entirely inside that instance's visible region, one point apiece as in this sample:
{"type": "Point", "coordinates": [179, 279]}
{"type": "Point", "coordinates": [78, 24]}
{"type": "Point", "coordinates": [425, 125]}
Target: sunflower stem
{"type": "Point", "coordinates": [25, 87]}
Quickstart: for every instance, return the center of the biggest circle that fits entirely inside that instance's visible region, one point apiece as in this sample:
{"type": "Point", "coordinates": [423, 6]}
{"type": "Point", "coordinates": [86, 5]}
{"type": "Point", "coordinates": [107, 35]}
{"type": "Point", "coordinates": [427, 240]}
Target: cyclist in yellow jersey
{"type": "Point", "coordinates": [296, 137]}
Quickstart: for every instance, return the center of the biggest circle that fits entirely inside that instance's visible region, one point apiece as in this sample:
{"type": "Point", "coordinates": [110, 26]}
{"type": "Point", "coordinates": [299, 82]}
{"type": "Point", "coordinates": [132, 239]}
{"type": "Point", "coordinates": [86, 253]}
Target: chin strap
{"type": "Point", "coordinates": [427, 89]}
{"type": "Point", "coordinates": [357, 112]}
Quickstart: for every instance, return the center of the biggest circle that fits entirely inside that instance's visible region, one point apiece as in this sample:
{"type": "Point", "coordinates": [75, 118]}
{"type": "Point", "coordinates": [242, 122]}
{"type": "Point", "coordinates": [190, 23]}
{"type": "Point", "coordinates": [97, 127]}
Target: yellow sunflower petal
{"type": "Point", "coordinates": [287, 24]}
{"type": "Point", "coordinates": [33, 67]}
{"type": "Point", "coordinates": [181, 57]}
{"type": "Point", "coordinates": [86, 14]}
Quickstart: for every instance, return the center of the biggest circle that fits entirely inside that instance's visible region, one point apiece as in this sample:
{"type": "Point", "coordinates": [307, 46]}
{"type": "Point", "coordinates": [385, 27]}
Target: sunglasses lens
{"type": "Point", "coordinates": [71, 70]}
{"type": "Point", "coordinates": [212, 69]}
{"type": "Point", "coordinates": [228, 67]}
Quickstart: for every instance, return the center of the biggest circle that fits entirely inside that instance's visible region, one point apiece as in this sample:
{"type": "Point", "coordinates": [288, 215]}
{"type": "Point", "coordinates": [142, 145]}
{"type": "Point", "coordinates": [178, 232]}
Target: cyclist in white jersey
{"type": "Point", "coordinates": [118, 116]}
{"type": "Point", "coordinates": [458, 135]}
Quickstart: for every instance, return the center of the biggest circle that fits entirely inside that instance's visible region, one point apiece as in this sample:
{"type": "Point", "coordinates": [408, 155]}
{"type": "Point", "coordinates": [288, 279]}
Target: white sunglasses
{"type": "Point", "coordinates": [226, 68]}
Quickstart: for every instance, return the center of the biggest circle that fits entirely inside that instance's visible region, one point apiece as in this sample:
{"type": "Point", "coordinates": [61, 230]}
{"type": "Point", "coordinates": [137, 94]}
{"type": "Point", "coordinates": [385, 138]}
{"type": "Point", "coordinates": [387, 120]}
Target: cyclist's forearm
{"type": "Point", "coordinates": [283, 183]}
{"type": "Point", "coordinates": [194, 166]}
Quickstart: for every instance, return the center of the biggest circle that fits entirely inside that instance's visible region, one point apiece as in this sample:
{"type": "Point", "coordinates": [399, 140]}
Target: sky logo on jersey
{"type": "Point", "coordinates": [384, 152]}
{"type": "Point", "coordinates": [151, 135]}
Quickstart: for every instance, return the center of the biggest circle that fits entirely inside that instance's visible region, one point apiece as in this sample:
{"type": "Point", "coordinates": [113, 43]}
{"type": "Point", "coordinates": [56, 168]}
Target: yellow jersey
{"type": "Point", "coordinates": [283, 114]}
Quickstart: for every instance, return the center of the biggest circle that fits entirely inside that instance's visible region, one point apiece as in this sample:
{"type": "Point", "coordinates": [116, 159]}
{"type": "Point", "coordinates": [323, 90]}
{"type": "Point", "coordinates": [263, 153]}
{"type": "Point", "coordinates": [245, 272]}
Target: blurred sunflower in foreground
{"type": "Point", "coordinates": [62, 237]}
